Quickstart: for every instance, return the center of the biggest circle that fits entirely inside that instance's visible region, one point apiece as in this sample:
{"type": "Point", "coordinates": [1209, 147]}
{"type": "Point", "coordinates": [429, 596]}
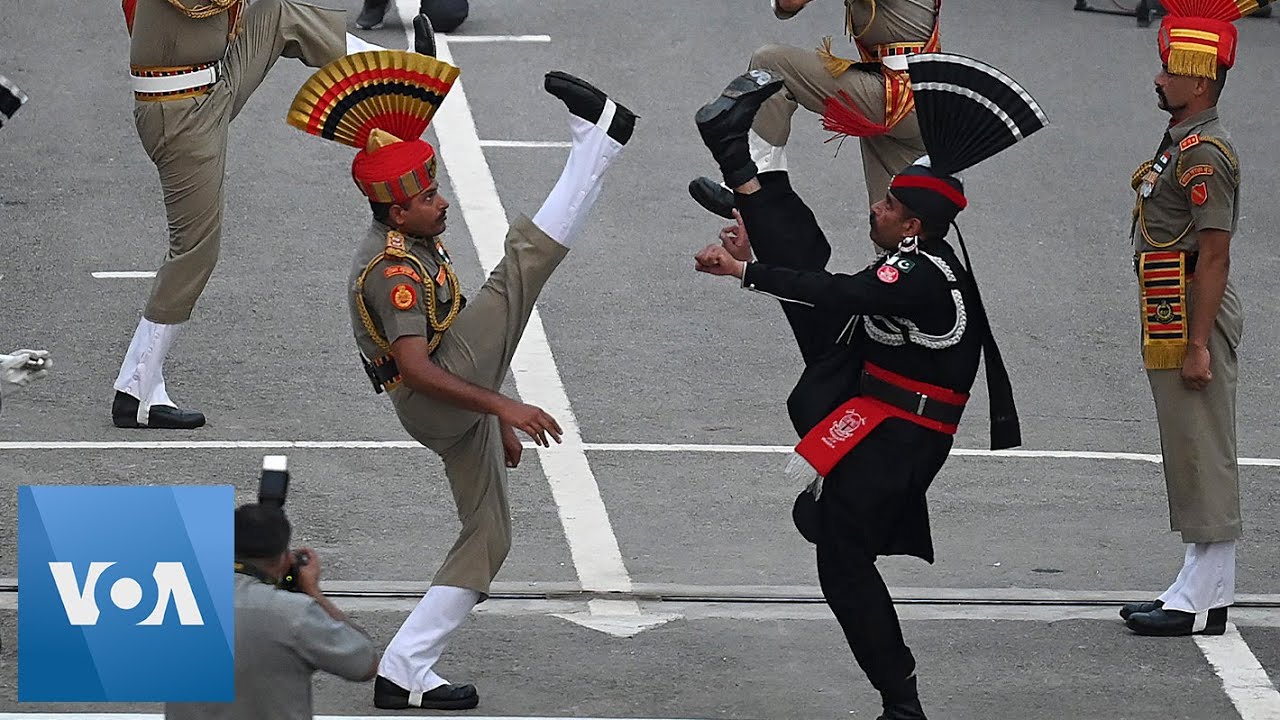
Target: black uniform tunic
{"type": "Point", "coordinates": [921, 318]}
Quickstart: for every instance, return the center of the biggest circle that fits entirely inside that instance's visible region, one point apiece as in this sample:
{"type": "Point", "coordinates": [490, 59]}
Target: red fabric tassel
{"type": "Point", "coordinates": [842, 116]}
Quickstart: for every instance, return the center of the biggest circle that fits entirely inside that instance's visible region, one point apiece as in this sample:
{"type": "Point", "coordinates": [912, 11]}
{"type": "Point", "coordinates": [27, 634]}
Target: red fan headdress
{"type": "Point", "coordinates": [380, 102]}
{"type": "Point", "coordinates": [1196, 36]}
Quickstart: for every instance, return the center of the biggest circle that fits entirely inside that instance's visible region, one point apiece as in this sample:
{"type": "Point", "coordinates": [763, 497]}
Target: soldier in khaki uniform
{"type": "Point", "coordinates": [193, 65]}
{"type": "Point", "coordinates": [442, 357]}
{"type": "Point", "coordinates": [1192, 320]}
{"type": "Point", "coordinates": [874, 90]}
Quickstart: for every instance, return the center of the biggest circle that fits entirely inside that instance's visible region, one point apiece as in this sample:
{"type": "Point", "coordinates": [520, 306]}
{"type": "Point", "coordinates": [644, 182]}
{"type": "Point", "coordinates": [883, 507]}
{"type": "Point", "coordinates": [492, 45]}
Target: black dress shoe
{"type": "Point", "coordinates": [585, 101]}
{"type": "Point", "coordinates": [424, 36]}
{"type": "Point", "coordinates": [902, 703]}
{"type": "Point", "coordinates": [1140, 607]}
{"type": "Point", "coordinates": [390, 696]}
{"type": "Point", "coordinates": [124, 414]}
{"type": "Point", "coordinates": [723, 123]}
{"type": "Point", "coordinates": [712, 196]}
{"type": "Point", "coordinates": [371, 14]}
{"type": "Point", "coordinates": [1174, 623]}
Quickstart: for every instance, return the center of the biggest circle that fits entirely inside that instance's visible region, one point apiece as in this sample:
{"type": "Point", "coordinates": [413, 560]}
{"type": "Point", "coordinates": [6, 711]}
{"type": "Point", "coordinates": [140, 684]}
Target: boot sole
{"type": "Point", "coordinates": [741, 87]}
{"type": "Point", "coordinates": [398, 704]}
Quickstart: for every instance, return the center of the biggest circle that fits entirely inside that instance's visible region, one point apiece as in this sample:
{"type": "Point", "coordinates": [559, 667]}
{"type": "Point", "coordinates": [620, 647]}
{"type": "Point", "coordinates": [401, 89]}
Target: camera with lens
{"type": "Point", "coordinates": [273, 487]}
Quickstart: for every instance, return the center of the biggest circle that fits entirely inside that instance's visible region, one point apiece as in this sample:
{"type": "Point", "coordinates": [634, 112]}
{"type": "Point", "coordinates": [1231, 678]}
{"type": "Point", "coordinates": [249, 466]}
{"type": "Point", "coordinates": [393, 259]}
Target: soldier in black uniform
{"type": "Point", "coordinates": [890, 353]}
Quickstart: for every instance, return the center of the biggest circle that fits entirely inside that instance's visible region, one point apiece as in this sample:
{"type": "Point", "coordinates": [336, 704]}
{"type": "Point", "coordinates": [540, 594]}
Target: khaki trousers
{"type": "Point", "coordinates": [187, 141]}
{"type": "Point", "coordinates": [1198, 436]}
{"type": "Point", "coordinates": [808, 84]}
{"type": "Point", "coordinates": [478, 348]}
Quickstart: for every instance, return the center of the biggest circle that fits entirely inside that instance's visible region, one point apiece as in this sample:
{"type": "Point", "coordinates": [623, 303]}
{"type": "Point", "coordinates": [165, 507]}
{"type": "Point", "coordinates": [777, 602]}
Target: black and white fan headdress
{"type": "Point", "coordinates": [968, 111]}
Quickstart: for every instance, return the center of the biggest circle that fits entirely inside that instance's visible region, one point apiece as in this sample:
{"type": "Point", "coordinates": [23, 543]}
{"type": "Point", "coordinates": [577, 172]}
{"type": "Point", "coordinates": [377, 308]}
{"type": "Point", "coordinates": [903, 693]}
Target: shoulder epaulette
{"type": "Point", "coordinates": [395, 244]}
{"type": "Point", "coordinates": [1232, 161]}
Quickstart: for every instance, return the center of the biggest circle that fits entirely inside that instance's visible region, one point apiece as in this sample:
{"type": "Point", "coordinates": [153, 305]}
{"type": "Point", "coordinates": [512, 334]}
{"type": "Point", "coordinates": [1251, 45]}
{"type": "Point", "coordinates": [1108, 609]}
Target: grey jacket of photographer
{"type": "Point", "coordinates": [281, 640]}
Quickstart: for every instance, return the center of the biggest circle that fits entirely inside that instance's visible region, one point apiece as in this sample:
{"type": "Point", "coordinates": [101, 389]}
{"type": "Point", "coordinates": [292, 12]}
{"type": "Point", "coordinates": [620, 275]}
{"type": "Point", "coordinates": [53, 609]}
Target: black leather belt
{"type": "Point", "coordinates": [382, 372]}
{"type": "Point", "coordinates": [913, 402]}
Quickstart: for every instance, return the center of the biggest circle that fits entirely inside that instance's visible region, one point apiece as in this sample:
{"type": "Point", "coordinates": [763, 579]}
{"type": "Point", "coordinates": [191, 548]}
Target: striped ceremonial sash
{"type": "Point", "coordinates": [1163, 280]}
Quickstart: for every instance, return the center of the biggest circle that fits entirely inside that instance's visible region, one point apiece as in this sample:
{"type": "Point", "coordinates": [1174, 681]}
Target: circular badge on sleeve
{"type": "Point", "coordinates": [887, 274]}
{"type": "Point", "coordinates": [403, 296]}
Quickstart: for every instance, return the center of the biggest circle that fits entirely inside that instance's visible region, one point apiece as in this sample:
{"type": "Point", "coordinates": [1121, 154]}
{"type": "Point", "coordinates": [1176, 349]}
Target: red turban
{"type": "Point", "coordinates": [1197, 36]}
{"type": "Point", "coordinates": [390, 170]}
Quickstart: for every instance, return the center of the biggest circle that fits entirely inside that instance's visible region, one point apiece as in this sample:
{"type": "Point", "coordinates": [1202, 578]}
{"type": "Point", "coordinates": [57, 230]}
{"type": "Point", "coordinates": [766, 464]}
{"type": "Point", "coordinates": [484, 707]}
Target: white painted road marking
{"type": "Point", "coordinates": [586, 446]}
{"type": "Point", "coordinates": [593, 546]}
{"type": "Point", "coordinates": [128, 274]}
{"type": "Point", "coordinates": [1243, 677]}
{"type": "Point", "coordinates": [143, 716]}
{"type": "Point", "coordinates": [524, 144]}
{"type": "Point", "coordinates": [455, 39]}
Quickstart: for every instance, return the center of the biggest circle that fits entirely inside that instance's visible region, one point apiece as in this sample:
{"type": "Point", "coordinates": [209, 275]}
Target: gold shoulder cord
{"type": "Point", "coordinates": [200, 12]}
{"type": "Point", "coordinates": [848, 21]}
{"type": "Point", "coordinates": [438, 325]}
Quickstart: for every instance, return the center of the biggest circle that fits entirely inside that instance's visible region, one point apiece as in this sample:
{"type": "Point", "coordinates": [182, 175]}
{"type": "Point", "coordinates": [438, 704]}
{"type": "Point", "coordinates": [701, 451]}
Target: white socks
{"type": "Point", "coordinates": [417, 646]}
{"type": "Point", "coordinates": [569, 202]}
{"type": "Point", "coordinates": [355, 45]}
{"type": "Point", "coordinates": [142, 372]}
{"type": "Point", "coordinates": [1207, 579]}
{"type": "Point", "coordinates": [766, 157]}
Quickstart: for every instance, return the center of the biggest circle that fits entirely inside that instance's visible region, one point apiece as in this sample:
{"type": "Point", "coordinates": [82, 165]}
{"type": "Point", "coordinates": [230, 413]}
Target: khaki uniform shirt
{"type": "Point", "coordinates": [1198, 188]}
{"type": "Point", "coordinates": [885, 21]}
{"type": "Point", "coordinates": [396, 291]}
{"type": "Point", "coordinates": [281, 639]}
{"type": "Point", "coordinates": [164, 37]}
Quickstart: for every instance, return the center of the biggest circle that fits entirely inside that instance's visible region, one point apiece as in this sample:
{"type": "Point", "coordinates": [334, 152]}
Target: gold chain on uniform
{"type": "Point", "coordinates": [440, 326]}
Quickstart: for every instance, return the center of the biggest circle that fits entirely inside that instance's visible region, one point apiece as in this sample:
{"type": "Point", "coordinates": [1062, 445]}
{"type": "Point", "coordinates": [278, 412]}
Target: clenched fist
{"type": "Point", "coordinates": [717, 260]}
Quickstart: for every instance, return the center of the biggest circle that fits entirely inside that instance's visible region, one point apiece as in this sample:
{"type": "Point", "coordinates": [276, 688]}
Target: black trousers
{"type": "Point", "coordinates": [784, 232]}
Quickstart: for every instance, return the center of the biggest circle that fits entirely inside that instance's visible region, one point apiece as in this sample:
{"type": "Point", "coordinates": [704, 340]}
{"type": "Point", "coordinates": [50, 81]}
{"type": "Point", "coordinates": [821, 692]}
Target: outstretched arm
{"type": "Point", "coordinates": [878, 290]}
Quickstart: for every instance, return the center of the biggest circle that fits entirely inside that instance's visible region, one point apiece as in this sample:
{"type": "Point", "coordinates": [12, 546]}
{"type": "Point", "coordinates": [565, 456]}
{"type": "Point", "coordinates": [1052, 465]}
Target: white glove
{"type": "Point", "coordinates": [22, 366]}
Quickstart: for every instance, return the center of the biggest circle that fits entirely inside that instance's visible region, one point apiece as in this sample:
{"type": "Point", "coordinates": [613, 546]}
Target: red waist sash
{"type": "Point", "coordinates": [885, 395]}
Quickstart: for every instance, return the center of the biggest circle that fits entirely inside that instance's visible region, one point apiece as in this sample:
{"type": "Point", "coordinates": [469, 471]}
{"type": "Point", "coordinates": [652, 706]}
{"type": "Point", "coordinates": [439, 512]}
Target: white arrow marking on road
{"type": "Point", "coordinates": [592, 543]}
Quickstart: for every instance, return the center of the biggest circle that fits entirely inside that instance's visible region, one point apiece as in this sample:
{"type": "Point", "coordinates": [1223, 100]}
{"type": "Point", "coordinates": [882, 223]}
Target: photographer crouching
{"type": "Point", "coordinates": [281, 638]}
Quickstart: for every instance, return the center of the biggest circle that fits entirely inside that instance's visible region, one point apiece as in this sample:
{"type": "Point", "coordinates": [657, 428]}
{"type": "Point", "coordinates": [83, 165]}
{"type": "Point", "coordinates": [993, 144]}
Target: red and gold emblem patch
{"type": "Point", "coordinates": [1194, 173]}
{"type": "Point", "coordinates": [887, 273]}
{"type": "Point", "coordinates": [1189, 142]}
{"type": "Point", "coordinates": [403, 296]}
{"type": "Point", "coordinates": [1199, 194]}
{"type": "Point", "coordinates": [395, 270]}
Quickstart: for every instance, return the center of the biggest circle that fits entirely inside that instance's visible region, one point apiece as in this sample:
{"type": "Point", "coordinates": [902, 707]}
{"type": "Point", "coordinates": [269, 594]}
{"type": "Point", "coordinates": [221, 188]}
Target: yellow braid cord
{"type": "Point", "coordinates": [216, 7]}
{"type": "Point", "coordinates": [200, 12]}
{"type": "Point", "coordinates": [835, 65]}
{"type": "Point", "coordinates": [438, 325]}
{"type": "Point", "coordinates": [848, 21]}
{"type": "Point", "coordinates": [1141, 173]}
